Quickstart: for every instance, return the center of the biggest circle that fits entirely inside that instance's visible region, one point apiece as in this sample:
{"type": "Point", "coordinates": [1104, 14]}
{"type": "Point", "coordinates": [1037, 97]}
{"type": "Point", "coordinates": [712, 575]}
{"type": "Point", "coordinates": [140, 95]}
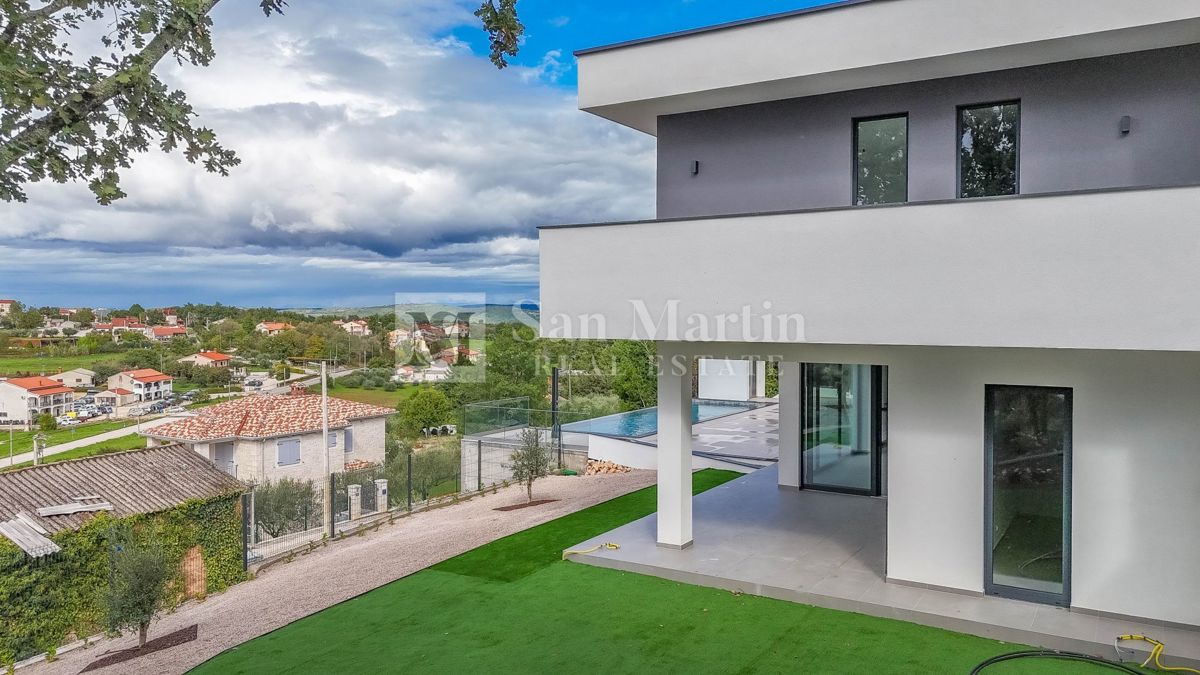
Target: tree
{"type": "Point", "coordinates": [636, 381]}
{"type": "Point", "coordinates": [137, 589]}
{"type": "Point", "coordinates": [281, 371]}
{"type": "Point", "coordinates": [84, 316]}
{"type": "Point", "coordinates": [424, 409]}
{"type": "Point", "coordinates": [530, 461]}
{"type": "Point", "coordinates": [315, 347]}
{"type": "Point", "coordinates": [46, 422]}
{"type": "Point", "coordinates": [287, 505]}
{"type": "Point", "coordinates": [66, 119]}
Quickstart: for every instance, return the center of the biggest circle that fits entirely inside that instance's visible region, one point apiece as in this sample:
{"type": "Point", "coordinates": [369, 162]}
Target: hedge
{"type": "Point", "coordinates": [53, 601]}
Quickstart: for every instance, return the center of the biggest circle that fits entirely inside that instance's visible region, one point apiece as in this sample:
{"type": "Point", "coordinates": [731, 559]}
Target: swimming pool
{"type": "Point", "coordinates": [644, 422]}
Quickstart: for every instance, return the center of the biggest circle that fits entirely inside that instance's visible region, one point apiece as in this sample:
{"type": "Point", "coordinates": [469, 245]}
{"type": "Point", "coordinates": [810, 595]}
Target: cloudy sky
{"type": "Point", "coordinates": [381, 154]}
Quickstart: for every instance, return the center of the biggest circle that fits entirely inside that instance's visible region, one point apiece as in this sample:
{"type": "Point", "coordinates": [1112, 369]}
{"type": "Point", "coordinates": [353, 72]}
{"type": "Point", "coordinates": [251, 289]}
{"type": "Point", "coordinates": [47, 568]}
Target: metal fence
{"type": "Point", "coordinates": [288, 515]}
{"type": "Point", "coordinates": [487, 460]}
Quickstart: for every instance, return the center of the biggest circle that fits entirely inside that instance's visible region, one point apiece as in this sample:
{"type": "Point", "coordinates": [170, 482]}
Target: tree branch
{"type": "Point", "coordinates": [49, 9]}
{"type": "Point", "coordinates": [39, 132]}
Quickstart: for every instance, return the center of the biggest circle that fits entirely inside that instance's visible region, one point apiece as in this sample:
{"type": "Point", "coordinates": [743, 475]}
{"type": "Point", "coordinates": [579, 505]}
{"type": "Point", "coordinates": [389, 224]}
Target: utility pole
{"type": "Point", "coordinates": [327, 486]}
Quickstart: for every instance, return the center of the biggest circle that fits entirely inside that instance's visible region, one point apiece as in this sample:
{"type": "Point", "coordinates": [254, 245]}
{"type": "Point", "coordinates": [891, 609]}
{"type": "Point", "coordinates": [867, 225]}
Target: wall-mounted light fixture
{"type": "Point", "coordinates": [1126, 125]}
{"type": "Point", "coordinates": [696, 167]}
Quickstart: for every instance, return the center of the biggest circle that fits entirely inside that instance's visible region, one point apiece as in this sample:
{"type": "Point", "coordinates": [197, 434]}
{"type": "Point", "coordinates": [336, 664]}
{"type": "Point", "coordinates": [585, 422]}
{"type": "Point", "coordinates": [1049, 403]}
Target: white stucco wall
{"type": "Point", "coordinates": [724, 379]}
{"type": "Point", "coordinates": [1136, 465]}
{"type": "Point", "coordinates": [1108, 270]}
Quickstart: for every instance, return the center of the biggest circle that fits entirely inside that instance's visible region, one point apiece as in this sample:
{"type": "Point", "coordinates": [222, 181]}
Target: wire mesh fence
{"type": "Point", "coordinates": [288, 515]}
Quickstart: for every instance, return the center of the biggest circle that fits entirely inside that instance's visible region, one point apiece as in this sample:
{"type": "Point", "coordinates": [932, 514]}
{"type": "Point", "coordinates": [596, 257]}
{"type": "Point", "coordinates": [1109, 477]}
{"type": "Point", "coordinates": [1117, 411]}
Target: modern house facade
{"type": "Point", "coordinates": [77, 377]}
{"type": "Point", "coordinates": [966, 235]}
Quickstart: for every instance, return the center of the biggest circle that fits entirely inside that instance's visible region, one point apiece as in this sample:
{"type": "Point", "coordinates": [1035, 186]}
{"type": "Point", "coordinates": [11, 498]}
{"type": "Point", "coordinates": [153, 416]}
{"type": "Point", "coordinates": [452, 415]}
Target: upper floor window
{"type": "Point", "coordinates": [881, 160]}
{"type": "Point", "coordinates": [989, 140]}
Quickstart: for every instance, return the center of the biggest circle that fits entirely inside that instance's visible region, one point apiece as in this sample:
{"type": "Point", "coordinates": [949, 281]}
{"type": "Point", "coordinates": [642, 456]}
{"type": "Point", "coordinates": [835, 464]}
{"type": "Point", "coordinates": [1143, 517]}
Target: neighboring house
{"type": "Point", "coordinates": [976, 237]}
{"type": "Point", "coordinates": [211, 359]}
{"type": "Point", "coordinates": [398, 336]}
{"type": "Point", "coordinates": [146, 383]}
{"type": "Point", "coordinates": [6, 307]}
{"type": "Point", "coordinates": [273, 327]}
{"type": "Point", "coordinates": [438, 371]}
{"type": "Point", "coordinates": [165, 333]}
{"type": "Point", "coordinates": [117, 397]}
{"type": "Point", "coordinates": [79, 377]}
{"type": "Point", "coordinates": [55, 520]}
{"type": "Point", "coordinates": [265, 437]}
{"type": "Point", "coordinates": [451, 355]}
{"type": "Point", "coordinates": [22, 399]}
{"type": "Point", "coordinates": [119, 325]}
{"type": "Point", "coordinates": [356, 327]}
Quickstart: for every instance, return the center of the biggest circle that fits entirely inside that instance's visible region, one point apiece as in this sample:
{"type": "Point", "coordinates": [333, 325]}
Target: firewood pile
{"type": "Point", "coordinates": [596, 467]}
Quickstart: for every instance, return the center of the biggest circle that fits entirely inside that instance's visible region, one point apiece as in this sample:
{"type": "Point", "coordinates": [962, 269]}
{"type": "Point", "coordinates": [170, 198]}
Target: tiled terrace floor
{"type": "Point", "coordinates": [829, 550]}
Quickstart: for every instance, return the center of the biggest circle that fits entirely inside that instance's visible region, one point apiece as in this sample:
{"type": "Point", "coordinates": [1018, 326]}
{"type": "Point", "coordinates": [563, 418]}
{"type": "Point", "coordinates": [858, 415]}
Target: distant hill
{"type": "Point", "coordinates": [490, 313]}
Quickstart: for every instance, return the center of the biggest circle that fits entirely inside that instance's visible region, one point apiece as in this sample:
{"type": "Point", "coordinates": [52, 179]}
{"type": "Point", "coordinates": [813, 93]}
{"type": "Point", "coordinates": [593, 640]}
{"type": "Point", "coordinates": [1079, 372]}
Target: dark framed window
{"type": "Point", "coordinates": [1027, 493]}
{"type": "Point", "coordinates": [989, 149]}
{"type": "Point", "coordinates": [881, 160]}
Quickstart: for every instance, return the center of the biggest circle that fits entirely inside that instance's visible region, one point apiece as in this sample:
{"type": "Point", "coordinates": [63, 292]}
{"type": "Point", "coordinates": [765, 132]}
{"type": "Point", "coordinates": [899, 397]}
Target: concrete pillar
{"type": "Point", "coordinates": [790, 421]}
{"type": "Point", "coordinates": [760, 379]}
{"type": "Point", "coordinates": [354, 493]}
{"type": "Point", "coordinates": [381, 495]}
{"type": "Point", "coordinates": [674, 449]}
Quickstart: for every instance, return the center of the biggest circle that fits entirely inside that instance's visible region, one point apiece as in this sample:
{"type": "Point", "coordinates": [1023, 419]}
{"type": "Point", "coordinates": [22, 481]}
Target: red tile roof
{"type": "Point", "coordinates": [215, 356]}
{"type": "Point", "coordinates": [119, 391]}
{"type": "Point", "coordinates": [266, 416]}
{"type": "Point", "coordinates": [163, 331]}
{"type": "Point", "coordinates": [41, 386]}
{"type": "Point", "coordinates": [147, 375]}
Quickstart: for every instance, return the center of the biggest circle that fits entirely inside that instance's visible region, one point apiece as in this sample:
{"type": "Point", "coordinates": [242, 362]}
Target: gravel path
{"type": "Point", "coordinates": [287, 592]}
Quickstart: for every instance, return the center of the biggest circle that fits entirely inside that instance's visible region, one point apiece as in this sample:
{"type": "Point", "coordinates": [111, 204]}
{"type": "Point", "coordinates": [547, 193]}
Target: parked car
{"type": "Point", "coordinates": [137, 411]}
{"type": "Point", "coordinates": [106, 409]}
{"type": "Point", "coordinates": [64, 421]}
{"type": "Point", "coordinates": [176, 409]}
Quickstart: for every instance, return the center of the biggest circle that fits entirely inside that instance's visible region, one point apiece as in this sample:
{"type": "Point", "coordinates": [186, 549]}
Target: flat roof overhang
{"type": "Point", "coordinates": [860, 44]}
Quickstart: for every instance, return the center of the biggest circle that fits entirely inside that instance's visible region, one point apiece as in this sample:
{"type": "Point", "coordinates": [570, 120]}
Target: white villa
{"type": "Point", "coordinates": [966, 232]}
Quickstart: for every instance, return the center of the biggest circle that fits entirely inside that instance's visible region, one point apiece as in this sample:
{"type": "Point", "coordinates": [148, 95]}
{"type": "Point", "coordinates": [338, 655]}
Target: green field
{"type": "Point", "coordinates": [513, 606]}
{"type": "Point", "coordinates": [387, 399]}
{"type": "Point", "coordinates": [131, 442]}
{"type": "Point", "coordinates": [23, 440]}
{"type": "Point", "coordinates": [37, 365]}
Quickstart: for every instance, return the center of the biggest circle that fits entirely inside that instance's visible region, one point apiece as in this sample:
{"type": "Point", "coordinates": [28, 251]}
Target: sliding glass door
{"type": "Point", "coordinates": [843, 427]}
{"type": "Point", "coordinates": [1028, 493]}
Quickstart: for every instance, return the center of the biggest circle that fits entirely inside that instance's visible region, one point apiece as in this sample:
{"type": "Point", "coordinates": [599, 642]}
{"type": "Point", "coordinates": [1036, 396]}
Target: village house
{"type": "Point", "coordinates": [119, 325]}
{"type": "Point", "coordinates": [209, 359]}
{"type": "Point", "coordinates": [79, 377]}
{"type": "Point", "coordinates": [271, 436]}
{"type": "Point", "coordinates": [117, 397]}
{"type": "Point", "coordinates": [356, 327]}
{"type": "Point", "coordinates": [146, 383]}
{"type": "Point", "coordinates": [273, 327]}
{"type": "Point", "coordinates": [22, 399]}
{"type": "Point", "coordinates": [395, 337]}
{"type": "Point", "coordinates": [165, 333]}
{"type": "Point", "coordinates": [6, 307]}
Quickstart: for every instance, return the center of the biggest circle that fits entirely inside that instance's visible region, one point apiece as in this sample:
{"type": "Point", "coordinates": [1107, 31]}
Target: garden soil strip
{"type": "Point", "coordinates": [156, 645]}
{"type": "Point", "coordinates": [524, 505]}
{"type": "Point", "coordinates": [345, 569]}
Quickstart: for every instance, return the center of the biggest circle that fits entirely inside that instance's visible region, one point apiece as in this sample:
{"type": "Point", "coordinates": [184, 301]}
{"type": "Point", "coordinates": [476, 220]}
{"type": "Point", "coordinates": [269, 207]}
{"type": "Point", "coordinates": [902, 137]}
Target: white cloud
{"type": "Point", "coordinates": [366, 134]}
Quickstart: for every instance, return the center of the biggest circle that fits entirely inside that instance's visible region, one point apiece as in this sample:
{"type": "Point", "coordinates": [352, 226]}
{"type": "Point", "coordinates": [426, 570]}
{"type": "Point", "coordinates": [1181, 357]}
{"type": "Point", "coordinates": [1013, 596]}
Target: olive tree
{"type": "Point", "coordinates": [139, 578]}
{"type": "Point", "coordinates": [530, 461]}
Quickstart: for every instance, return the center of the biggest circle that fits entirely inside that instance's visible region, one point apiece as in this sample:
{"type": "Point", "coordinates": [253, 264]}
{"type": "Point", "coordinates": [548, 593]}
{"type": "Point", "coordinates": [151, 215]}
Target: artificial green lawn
{"type": "Point", "coordinates": [513, 606]}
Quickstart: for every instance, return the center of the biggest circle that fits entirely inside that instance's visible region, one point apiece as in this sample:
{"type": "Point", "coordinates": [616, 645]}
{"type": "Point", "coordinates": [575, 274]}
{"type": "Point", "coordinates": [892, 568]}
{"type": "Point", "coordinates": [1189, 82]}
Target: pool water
{"type": "Point", "coordinates": [644, 422]}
